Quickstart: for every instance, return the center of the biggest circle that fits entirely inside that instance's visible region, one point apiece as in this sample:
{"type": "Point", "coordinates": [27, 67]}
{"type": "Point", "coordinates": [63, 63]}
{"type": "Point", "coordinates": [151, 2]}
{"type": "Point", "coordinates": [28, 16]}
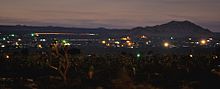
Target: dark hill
{"type": "Point", "coordinates": [175, 28]}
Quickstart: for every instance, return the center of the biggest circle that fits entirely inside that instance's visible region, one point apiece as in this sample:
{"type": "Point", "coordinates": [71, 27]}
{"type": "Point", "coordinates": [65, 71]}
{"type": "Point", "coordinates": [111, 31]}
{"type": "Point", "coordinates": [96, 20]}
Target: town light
{"type": "Point", "coordinates": [191, 55]}
{"type": "Point", "coordinates": [32, 34]}
{"type": "Point", "coordinates": [138, 55]}
{"type": "Point", "coordinates": [19, 39]}
{"type": "Point", "coordinates": [143, 37]}
{"type": "Point", "coordinates": [190, 38]}
{"type": "Point", "coordinates": [40, 46]}
{"type": "Point", "coordinates": [166, 44]}
{"type": "Point", "coordinates": [117, 42]}
{"type": "Point", "coordinates": [171, 38]}
{"type": "Point", "coordinates": [67, 44]}
{"type": "Point", "coordinates": [12, 35]}
{"type": "Point", "coordinates": [2, 46]}
{"type": "Point", "coordinates": [107, 44]}
{"type": "Point", "coordinates": [4, 39]}
{"type": "Point", "coordinates": [7, 56]}
{"type": "Point", "coordinates": [64, 41]}
{"type": "Point", "coordinates": [203, 42]}
{"type": "Point", "coordinates": [103, 42]}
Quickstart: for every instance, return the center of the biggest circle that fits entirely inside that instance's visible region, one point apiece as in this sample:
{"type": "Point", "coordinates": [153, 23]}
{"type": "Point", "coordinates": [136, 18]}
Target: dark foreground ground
{"type": "Point", "coordinates": [122, 70]}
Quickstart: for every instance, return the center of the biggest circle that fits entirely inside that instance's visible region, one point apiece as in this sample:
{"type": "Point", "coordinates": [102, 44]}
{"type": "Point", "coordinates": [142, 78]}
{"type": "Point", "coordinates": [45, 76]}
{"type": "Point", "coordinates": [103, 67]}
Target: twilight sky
{"type": "Point", "coordinates": [109, 13]}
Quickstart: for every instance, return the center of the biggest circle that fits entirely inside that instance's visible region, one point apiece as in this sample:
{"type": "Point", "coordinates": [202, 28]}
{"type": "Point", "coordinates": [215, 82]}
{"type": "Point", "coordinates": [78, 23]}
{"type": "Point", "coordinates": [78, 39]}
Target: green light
{"type": "Point", "coordinates": [64, 41]}
{"type": "Point", "coordinates": [32, 34]}
{"type": "Point", "coordinates": [4, 38]}
{"type": "Point", "coordinates": [13, 35]}
{"type": "Point", "coordinates": [67, 44]}
{"type": "Point", "coordinates": [138, 55]}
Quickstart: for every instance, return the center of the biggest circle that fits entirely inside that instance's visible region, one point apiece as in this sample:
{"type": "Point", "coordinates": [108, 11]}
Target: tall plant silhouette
{"type": "Point", "coordinates": [59, 60]}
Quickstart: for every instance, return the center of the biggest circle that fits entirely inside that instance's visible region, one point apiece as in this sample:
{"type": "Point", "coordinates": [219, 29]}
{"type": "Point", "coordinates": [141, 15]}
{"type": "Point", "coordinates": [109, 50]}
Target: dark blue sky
{"type": "Point", "coordinates": [110, 13]}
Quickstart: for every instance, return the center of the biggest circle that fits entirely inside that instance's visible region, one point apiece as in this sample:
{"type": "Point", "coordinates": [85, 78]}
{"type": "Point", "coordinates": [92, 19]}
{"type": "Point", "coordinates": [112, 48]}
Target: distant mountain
{"type": "Point", "coordinates": [173, 28]}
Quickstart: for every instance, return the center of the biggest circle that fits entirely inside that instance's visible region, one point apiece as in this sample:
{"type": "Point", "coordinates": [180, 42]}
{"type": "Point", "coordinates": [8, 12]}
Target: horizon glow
{"type": "Point", "coordinates": [109, 13]}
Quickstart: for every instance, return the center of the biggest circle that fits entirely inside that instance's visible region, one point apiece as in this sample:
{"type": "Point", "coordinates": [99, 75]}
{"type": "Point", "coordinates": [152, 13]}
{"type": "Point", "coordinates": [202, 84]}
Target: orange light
{"type": "Point", "coordinates": [143, 37]}
{"type": "Point", "coordinates": [203, 42]}
{"type": "Point", "coordinates": [129, 44]}
{"type": "Point", "coordinates": [7, 56]}
{"type": "Point", "coordinates": [166, 44]}
{"type": "Point", "coordinates": [40, 46]}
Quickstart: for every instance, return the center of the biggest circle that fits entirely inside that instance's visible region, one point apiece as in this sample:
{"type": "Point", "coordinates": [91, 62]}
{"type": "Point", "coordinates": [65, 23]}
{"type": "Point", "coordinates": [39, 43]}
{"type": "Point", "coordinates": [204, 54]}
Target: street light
{"type": "Point", "coordinates": [64, 41]}
{"type": "Point", "coordinates": [203, 42]}
{"type": "Point", "coordinates": [32, 34]}
{"type": "Point", "coordinates": [138, 55]}
{"type": "Point", "coordinates": [103, 42]}
{"type": "Point", "coordinates": [7, 56]}
{"type": "Point", "coordinates": [191, 55]}
{"type": "Point", "coordinates": [166, 44]}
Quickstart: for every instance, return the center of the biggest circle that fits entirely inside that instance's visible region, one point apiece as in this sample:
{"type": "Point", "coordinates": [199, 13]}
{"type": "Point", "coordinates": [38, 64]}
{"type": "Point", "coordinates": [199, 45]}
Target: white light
{"type": "Point", "coordinates": [190, 38]}
{"type": "Point", "coordinates": [13, 35]}
{"type": "Point", "coordinates": [2, 46]}
{"type": "Point", "coordinates": [43, 40]}
{"type": "Point", "coordinates": [7, 56]}
{"type": "Point", "coordinates": [208, 40]}
{"type": "Point", "coordinates": [92, 34]}
{"type": "Point", "coordinates": [138, 55]}
{"type": "Point", "coordinates": [19, 39]}
{"type": "Point", "coordinates": [4, 39]}
{"type": "Point", "coordinates": [16, 43]}
{"type": "Point", "coordinates": [171, 38]}
{"type": "Point", "coordinates": [147, 43]}
{"type": "Point", "coordinates": [190, 55]}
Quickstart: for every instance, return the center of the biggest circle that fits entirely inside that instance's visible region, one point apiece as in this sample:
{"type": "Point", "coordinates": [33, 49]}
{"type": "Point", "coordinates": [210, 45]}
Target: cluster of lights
{"type": "Point", "coordinates": [215, 57]}
{"type": "Point", "coordinates": [65, 43]}
{"type": "Point", "coordinates": [126, 38]}
{"type": "Point", "coordinates": [115, 43]}
{"type": "Point", "coordinates": [43, 40]}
